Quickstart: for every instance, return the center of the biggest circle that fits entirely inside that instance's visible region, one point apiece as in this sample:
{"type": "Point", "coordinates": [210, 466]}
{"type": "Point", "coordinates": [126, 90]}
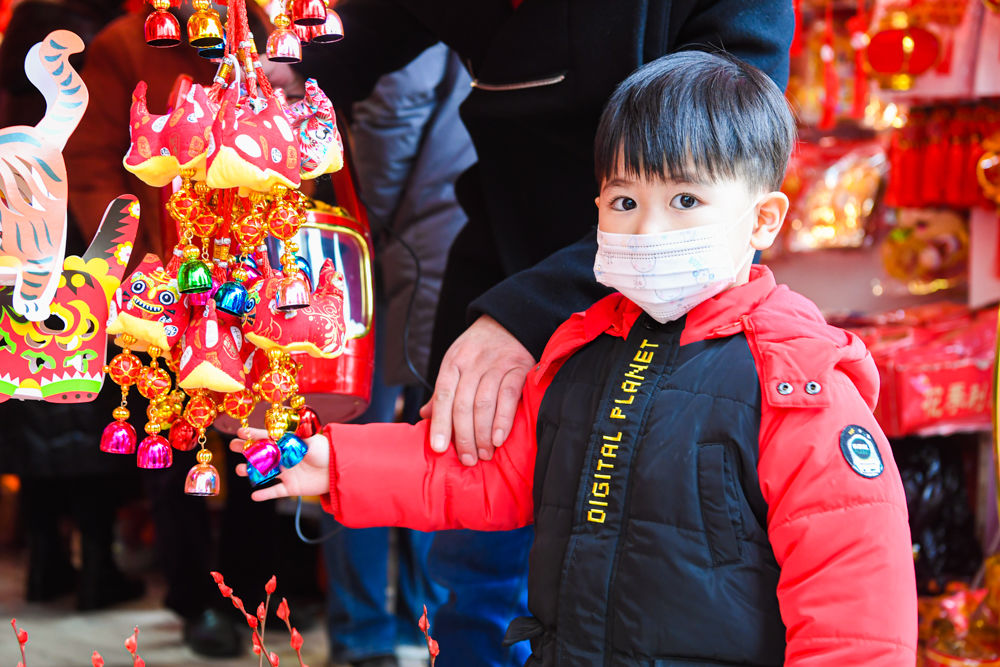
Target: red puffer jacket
{"type": "Point", "coordinates": [836, 520]}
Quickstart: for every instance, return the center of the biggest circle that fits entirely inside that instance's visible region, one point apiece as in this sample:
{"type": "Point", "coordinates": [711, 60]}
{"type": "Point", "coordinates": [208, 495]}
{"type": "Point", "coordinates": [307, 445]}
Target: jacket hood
{"type": "Point", "coordinates": [793, 342]}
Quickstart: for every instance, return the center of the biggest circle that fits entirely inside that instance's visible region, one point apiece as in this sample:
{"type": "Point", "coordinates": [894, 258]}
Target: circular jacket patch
{"type": "Point", "coordinates": [861, 452]}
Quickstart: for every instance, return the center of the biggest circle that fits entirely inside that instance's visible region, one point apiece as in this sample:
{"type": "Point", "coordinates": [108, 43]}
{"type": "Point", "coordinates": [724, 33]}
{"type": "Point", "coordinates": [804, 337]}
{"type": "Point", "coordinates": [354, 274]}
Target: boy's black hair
{"type": "Point", "coordinates": [695, 116]}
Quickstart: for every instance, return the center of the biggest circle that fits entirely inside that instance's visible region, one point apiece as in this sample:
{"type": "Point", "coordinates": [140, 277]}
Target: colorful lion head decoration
{"type": "Point", "coordinates": [61, 359]}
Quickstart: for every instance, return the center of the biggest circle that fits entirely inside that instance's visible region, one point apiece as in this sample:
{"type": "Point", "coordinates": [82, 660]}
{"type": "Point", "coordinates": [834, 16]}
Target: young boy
{"type": "Point", "coordinates": [697, 450]}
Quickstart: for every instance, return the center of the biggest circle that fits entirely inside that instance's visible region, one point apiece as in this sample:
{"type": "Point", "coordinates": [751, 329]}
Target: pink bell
{"type": "Point", "coordinates": [263, 455]}
{"type": "Point", "coordinates": [154, 452]}
{"type": "Point", "coordinates": [183, 436]}
{"type": "Point", "coordinates": [308, 12]}
{"type": "Point", "coordinates": [331, 30]}
{"type": "Point", "coordinates": [161, 28]}
{"type": "Point", "coordinates": [283, 46]}
{"type": "Point", "coordinates": [118, 438]}
{"type": "Point", "coordinates": [202, 479]}
{"type": "Point", "coordinates": [309, 424]}
{"type": "Point", "coordinates": [303, 32]}
{"type": "Point", "coordinates": [293, 293]}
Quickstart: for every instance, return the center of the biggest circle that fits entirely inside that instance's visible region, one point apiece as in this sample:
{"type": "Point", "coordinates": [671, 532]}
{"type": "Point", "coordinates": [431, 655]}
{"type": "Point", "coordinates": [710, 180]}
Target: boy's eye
{"type": "Point", "coordinates": [623, 204]}
{"type": "Point", "coordinates": [684, 201]}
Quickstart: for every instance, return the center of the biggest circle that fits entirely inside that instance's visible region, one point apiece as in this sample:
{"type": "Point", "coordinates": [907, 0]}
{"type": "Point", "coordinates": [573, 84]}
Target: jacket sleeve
{"type": "Point", "coordinates": [387, 475]}
{"type": "Point", "coordinates": [847, 591]}
{"type": "Point", "coordinates": [759, 33]}
{"type": "Point", "coordinates": [531, 304]}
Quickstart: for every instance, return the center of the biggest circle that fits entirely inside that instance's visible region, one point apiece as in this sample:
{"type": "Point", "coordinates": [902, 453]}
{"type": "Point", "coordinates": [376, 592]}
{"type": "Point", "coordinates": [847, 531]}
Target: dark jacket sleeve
{"type": "Point", "coordinates": [380, 37]}
{"type": "Point", "coordinates": [532, 303]}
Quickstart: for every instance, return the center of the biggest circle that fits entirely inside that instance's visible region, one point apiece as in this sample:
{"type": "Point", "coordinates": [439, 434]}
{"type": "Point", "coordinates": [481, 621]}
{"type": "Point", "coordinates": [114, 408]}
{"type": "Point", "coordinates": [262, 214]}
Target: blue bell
{"type": "Point", "coordinates": [293, 450]}
{"type": "Point", "coordinates": [232, 298]}
{"type": "Point", "coordinates": [193, 277]}
{"type": "Point", "coordinates": [257, 478]}
{"type": "Point", "coordinates": [304, 267]}
{"type": "Point", "coordinates": [215, 51]}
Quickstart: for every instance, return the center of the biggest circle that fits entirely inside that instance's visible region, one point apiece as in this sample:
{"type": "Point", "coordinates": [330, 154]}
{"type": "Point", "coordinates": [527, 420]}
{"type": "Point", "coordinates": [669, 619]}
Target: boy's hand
{"type": "Point", "coordinates": [310, 477]}
{"type": "Point", "coordinates": [477, 391]}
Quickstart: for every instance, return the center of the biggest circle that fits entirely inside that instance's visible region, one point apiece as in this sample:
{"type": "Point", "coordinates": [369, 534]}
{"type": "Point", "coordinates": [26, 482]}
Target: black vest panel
{"type": "Point", "coordinates": [650, 529]}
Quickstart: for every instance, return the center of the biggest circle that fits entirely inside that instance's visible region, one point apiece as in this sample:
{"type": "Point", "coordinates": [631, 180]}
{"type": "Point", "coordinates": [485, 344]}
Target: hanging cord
{"type": "Point", "coordinates": [298, 528]}
{"type": "Point", "coordinates": [409, 308]}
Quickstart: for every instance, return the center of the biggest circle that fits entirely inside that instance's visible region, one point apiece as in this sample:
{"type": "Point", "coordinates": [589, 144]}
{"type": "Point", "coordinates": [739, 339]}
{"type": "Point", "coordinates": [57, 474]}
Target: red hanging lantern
{"type": "Point", "coordinates": [900, 51]}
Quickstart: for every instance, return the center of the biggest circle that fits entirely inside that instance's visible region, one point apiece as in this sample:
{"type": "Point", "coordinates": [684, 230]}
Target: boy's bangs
{"type": "Point", "coordinates": [652, 150]}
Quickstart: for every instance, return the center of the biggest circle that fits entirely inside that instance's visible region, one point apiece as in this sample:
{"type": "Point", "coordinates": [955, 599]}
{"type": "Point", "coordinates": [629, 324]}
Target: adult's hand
{"type": "Point", "coordinates": [309, 477]}
{"type": "Point", "coordinates": [477, 391]}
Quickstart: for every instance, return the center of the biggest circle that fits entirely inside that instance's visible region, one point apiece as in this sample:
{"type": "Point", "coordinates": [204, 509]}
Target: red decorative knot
{"type": "Point", "coordinates": [283, 221]}
{"type": "Point", "coordinates": [250, 230]}
{"type": "Point", "coordinates": [153, 382]}
{"type": "Point", "coordinates": [275, 386]}
{"type": "Point", "coordinates": [239, 404]}
{"type": "Point", "coordinates": [200, 412]}
{"type": "Point", "coordinates": [184, 204]}
{"type": "Point", "coordinates": [205, 223]}
{"type": "Point", "coordinates": [124, 369]}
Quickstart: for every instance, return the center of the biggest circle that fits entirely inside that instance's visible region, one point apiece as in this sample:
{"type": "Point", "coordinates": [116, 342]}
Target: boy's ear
{"type": "Point", "coordinates": [770, 216]}
{"type": "Point", "coordinates": [597, 201]}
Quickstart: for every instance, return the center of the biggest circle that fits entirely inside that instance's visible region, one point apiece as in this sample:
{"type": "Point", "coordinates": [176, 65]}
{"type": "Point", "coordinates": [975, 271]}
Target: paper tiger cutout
{"type": "Point", "coordinates": [33, 188]}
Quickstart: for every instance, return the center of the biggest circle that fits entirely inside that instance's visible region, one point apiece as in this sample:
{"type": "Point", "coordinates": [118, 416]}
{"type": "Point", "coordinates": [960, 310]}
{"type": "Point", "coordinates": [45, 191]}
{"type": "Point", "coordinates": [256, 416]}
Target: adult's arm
{"type": "Point", "coordinates": [380, 36]}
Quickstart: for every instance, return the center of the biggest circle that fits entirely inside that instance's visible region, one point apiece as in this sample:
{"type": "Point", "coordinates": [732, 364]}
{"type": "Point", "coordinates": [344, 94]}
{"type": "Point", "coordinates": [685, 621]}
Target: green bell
{"type": "Point", "coordinates": [194, 277]}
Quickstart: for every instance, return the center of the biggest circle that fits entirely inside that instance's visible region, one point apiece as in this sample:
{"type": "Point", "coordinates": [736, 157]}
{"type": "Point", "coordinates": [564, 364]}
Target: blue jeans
{"type": "Point", "coordinates": [487, 576]}
{"type": "Point", "coordinates": [357, 562]}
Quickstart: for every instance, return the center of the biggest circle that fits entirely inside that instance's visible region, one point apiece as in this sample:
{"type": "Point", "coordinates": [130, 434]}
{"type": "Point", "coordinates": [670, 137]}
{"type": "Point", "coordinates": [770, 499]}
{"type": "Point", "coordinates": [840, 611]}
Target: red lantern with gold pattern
{"type": "Point", "coordinates": [900, 51]}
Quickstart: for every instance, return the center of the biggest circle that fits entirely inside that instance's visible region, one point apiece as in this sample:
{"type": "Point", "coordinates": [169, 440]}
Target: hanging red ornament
{"type": "Point", "coordinates": [901, 50]}
{"type": "Point", "coordinates": [183, 436]}
{"type": "Point", "coordinates": [308, 12]}
{"type": "Point", "coordinates": [331, 30]}
{"type": "Point", "coordinates": [309, 423]}
{"type": "Point", "coordinates": [161, 28]}
{"type": "Point", "coordinates": [857, 25]}
{"type": "Point", "coordinates": [831, 81]}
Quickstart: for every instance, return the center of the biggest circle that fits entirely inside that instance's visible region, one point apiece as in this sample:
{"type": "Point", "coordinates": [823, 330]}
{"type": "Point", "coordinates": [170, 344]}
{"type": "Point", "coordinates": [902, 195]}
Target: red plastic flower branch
{"type": "Point", "coordinates": [432, 646]}
{"type": "Point", "coordinates": [22, 639]}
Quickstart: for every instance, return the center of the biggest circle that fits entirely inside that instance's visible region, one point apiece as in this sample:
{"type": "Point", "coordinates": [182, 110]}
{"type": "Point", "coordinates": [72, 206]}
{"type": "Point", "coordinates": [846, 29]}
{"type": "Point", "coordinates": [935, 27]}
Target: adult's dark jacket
{"type": "Point", "coordinates": [541, 75]}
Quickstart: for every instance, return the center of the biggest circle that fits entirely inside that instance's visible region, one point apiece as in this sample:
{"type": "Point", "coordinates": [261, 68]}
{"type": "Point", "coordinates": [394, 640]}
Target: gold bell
{"type": "Point", "coordinates": [204, 28]}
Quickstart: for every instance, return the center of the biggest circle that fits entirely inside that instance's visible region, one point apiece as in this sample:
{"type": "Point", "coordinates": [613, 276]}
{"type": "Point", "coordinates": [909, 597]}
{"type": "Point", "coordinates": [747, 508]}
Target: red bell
{"type": "Point", "coordinates": [161, 28]}
{"type": "Point", "coordinates": [309, 423]}
{"type": "Point", "coordinates": [304, 32]}
{"type": "Point", "coordinates": [308, 12]}
{"type": "Point", "coordinates": [331, 30]}
{"type": "Point", "coordinates": [283, 46]}
{"type": "Point", "coordinates": [183, 436]}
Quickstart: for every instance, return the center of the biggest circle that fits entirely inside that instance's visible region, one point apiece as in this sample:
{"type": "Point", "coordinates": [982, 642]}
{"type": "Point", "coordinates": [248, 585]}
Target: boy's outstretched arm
{"type": "Point", "coordinates": [837, 522]}
{"type": "Point", "coordinates": [388, 475]}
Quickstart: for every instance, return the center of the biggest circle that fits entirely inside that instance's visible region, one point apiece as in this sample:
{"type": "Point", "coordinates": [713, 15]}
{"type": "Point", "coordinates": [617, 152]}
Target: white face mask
{"type": "Point", "coordinates": [669, 273]}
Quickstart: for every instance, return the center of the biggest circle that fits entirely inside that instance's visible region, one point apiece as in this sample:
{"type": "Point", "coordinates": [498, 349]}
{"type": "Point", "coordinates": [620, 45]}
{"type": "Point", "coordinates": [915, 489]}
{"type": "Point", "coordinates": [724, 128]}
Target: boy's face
{"type": "Point", "coordinates": [635, 205]}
